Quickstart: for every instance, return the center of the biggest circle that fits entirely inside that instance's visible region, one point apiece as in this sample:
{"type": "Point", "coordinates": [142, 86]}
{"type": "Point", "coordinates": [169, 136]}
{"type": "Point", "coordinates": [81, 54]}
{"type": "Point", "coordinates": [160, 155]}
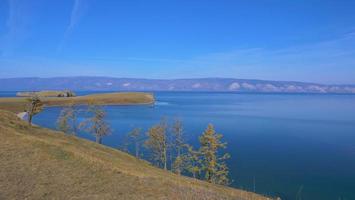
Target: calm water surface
{"type": "Point", "coordinates": [291, 146]}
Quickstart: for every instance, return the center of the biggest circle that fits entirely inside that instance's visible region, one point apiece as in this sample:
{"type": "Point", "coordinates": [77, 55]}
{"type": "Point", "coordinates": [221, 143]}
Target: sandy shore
{"type": "Point", "coordinates": [22, 115]}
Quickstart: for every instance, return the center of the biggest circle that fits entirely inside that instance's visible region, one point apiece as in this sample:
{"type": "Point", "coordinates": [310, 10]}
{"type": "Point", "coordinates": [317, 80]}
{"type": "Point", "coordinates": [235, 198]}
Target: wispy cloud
{"type": "Point", "coordinates": [144, 60]}
{"type": "Point", "coordinates": [18, 24]}
{"type": "Point", "coordinates": [330, 61]}
{"type": "Point", "coordinates": [79, 9]}
{"type": "Point", "coordinates": [339, 50]}
{"type": "Point", "coordinates": [325, 61]}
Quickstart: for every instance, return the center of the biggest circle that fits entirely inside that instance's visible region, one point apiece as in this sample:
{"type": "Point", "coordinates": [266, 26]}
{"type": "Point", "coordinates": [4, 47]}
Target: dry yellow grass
{"type": "Point", "coordinates": [38, 163]}
{"type": "Point", "coordinates": [18, 104]}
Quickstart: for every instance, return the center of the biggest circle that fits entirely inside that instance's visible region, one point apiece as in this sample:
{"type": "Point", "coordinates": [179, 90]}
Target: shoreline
{"type": "Point", "coordinates": [22, 115]}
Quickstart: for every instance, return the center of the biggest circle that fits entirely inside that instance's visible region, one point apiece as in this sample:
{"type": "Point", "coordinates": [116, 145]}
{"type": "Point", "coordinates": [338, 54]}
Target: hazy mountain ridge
{"type": "Point", "coordinates": [201, 84]}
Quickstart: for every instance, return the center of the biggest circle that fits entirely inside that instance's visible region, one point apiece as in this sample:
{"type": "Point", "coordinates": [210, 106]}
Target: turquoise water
{"type": "Point", "coordinates": [291, 146]}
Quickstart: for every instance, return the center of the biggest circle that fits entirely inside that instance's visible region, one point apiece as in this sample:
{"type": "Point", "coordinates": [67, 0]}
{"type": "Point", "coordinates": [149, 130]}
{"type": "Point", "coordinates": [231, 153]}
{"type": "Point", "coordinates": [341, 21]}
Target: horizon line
{"type": "Point", "coordinates": [173, 79]}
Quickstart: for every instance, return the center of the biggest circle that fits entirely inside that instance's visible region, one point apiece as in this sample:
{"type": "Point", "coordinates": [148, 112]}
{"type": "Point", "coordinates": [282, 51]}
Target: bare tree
{"type": "Point", "coordinates": [62, 122]}
{"type": "Point", "coordinates": [67, 121]}
{"type": "Point", "coordinates": [178, 145]}
{"type": "Point", "coordinates": [135, 137]}
{"type": "Point", "coordinates": [96, 125]}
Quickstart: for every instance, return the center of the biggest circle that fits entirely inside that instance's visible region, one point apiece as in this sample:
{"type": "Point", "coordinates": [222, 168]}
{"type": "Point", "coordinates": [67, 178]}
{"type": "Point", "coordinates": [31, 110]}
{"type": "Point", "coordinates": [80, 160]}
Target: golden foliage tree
{"type": "Point", "coordinates": [158, 144]}
{"type": "Point", "coordinates": [212, 164]}
{"type": "Point", "coordinates": [192, 162]}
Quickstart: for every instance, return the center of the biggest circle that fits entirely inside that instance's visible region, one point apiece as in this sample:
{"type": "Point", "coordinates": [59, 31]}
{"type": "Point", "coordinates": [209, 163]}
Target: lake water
{"type": "Point", "coordinates": [291, 146]}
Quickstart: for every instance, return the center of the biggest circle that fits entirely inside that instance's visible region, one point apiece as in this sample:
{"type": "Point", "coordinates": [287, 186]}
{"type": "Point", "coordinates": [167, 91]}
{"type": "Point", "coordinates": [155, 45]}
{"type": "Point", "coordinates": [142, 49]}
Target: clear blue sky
{"type": "Point", "coordinates": [303, 40]}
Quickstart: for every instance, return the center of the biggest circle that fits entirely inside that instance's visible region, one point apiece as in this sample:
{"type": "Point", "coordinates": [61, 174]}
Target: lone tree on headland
{"type": "Point", "coordinates": [96, 125]}
{"type": "Point", "coordinates": [34, 106]}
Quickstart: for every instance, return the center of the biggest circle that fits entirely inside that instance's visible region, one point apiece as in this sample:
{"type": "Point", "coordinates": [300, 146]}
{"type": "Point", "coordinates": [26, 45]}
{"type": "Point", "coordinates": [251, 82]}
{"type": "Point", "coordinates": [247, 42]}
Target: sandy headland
{"type": "Point", "coordinates": [18, 104]}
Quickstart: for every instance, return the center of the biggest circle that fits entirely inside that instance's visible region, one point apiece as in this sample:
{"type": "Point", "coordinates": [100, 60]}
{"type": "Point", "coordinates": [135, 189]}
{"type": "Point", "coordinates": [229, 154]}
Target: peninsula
{"type": "Point", "coordinates": [18, 104]}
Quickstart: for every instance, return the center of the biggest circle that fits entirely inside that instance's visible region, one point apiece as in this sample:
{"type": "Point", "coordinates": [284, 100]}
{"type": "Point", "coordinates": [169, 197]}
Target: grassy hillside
{"type": "Point", "coordinates": [38, 163]}
{"type": "Point", "coordinates": [18, 104]}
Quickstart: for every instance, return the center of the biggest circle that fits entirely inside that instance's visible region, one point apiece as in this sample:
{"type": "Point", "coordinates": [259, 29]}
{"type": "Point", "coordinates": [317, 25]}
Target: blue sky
{"type": "Point", "coordinates": [301, 40]}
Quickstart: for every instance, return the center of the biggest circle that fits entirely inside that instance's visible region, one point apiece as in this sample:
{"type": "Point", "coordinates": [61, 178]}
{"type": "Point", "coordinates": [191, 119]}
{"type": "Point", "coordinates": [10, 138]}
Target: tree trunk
{"type": "Point", "coordinates": [74, 126]}
{"type": "Point", "coordinates": [137, 150]}
{"type": "Point", "coordinates": [29, 119]}
{"type": "Point", "coordinates": [209, 177]}
{"type": "Point", "coordinates": [165, 160]}
{"type": "Point", "coordinates": [98, 139]}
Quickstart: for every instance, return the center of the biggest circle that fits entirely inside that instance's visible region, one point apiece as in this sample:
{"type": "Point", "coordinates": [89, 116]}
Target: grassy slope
{"type": "Point", "coordinates": [38, 163]}
{"type": "Point", "coordinates": [18, 104]}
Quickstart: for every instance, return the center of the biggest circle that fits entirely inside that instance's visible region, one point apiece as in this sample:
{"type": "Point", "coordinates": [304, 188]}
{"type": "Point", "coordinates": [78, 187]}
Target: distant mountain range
{"type": "Point", "coordinates": [202, 84]}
